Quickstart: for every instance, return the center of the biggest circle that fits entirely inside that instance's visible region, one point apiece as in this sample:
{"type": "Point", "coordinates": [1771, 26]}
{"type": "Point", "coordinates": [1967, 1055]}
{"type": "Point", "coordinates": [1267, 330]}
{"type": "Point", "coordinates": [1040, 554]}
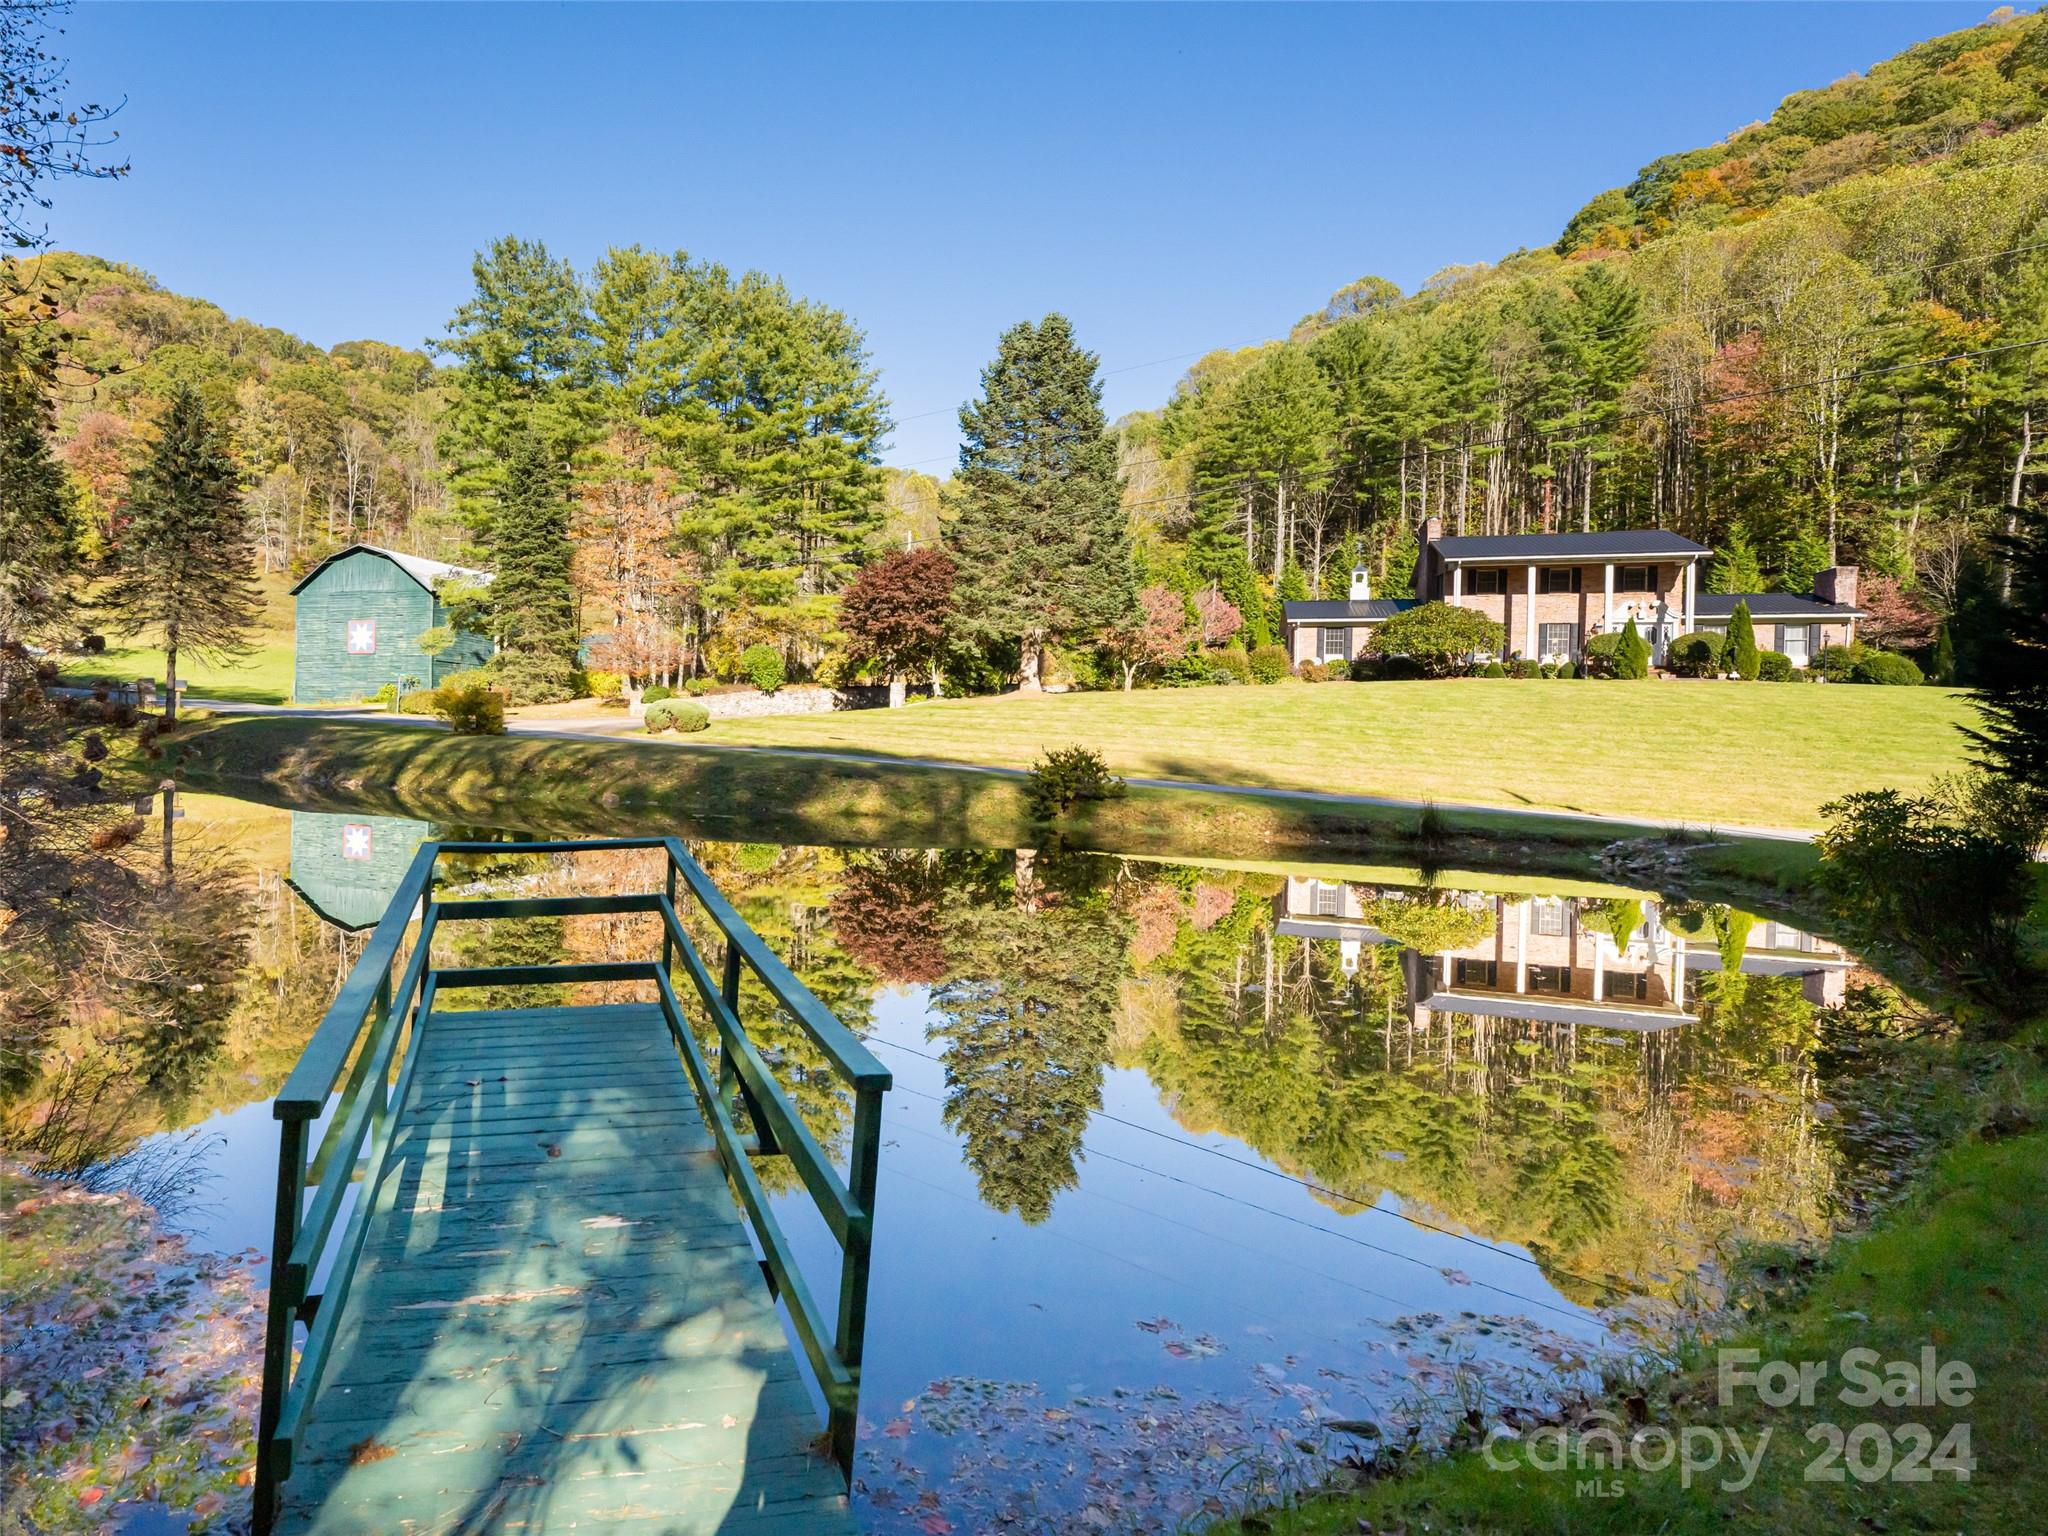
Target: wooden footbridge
{"type": "Point", "coordinates": [544, 1311]}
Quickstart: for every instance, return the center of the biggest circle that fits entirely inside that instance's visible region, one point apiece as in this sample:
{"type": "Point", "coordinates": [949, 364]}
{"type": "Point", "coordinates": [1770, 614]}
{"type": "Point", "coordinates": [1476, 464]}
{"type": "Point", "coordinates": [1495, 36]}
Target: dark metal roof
{"type": "Point", "coordinates": [1342, 611]}
{"type": "Point", "coordinates": [1627, 544]}
{"type": "Point", "coordinates": [1769, 605]}
{"type": "Point", "coordinates": [1487, 1005]}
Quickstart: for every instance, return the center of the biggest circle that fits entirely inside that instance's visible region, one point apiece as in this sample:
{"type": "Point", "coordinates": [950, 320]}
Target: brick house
{"type": "Point", "coordinates": [1550, 592]}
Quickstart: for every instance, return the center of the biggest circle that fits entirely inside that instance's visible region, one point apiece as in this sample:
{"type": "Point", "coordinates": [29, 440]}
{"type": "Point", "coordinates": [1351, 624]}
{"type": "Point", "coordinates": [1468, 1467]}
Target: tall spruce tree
{"type": "Point", "coordinates": [186, 564]}
{"type": "Point", "coordinates": [533, 604]}
{"type": "Point", "coordinates": [1042, 544]}
{"type": "Point", "coordinates": [2012, 692]}
{"type": "Point", "coordinates": [39, 522]}
{"type": "Point", "coordinates": [1744, 659]}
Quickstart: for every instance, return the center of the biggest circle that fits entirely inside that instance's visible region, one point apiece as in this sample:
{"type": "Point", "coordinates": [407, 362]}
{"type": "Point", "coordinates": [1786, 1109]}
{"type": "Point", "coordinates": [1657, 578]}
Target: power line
{"type": "Point", "coordinates": [1307, 1184]}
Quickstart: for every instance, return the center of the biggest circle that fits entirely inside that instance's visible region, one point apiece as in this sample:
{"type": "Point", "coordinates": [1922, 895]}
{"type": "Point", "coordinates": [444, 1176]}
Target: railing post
{"type": "Point", "coordinates": [283, 1306]}
{"type": "Point", "coordinates": [668, 941]}
{"type": "Point", "coordinates": [854, 1265]}
{"type": "Point", "coordinates": [729, 989]}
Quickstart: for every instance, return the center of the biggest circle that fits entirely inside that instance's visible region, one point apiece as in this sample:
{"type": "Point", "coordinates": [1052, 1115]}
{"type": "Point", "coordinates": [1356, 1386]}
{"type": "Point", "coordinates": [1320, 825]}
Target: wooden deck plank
{"type": "Point", "coordinates": [557, 1322]}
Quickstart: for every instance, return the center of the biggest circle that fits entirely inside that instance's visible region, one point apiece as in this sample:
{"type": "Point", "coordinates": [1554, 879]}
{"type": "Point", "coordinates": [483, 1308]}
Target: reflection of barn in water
{"type": "Point", "coordinates": [347, 867]}
{"type": "Point", "coordinates": [1555, 959]}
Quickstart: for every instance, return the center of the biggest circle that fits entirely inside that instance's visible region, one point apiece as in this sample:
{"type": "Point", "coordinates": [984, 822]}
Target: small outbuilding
{"type": "Point", "coordinates": [360, 613]}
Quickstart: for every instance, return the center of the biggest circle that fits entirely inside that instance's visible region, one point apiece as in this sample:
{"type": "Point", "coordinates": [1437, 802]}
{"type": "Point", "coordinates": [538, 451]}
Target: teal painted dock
{"type": "Point", "coordinates": [546, 1311]}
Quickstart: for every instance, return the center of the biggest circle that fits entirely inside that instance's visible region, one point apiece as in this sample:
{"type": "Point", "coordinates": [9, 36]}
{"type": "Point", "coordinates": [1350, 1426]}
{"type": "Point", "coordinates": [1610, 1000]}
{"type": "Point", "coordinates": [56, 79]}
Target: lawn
{"type": "Point", "coordinates": [264, 676]}
{"type": "Point", "coordinates": [1726, 753]}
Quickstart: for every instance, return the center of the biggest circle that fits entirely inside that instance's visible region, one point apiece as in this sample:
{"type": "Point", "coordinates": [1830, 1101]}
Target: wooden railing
{"type": "Point", "coordinates": [362, 1055]}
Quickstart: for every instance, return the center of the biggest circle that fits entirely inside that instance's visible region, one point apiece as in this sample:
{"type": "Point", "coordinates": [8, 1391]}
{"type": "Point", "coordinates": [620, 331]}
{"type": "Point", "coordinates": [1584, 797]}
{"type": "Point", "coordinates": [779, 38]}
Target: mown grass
{"type": "Point", "coordinates": [1709, 753]}
{"type": "Point", "coordinates": [1957, 1267]}
{"type": "Point", "coordinates": [603, 785]}
{"type": "Point", "coordinates": [264, 676]}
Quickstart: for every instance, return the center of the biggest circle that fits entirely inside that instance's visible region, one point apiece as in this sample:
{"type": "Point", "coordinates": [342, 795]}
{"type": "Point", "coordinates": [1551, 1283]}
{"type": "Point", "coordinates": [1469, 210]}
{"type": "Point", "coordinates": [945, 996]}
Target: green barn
{"type": "Point", "coordinates": [361, 612]}
{"type": "Point", "coordinates": [347, 868]}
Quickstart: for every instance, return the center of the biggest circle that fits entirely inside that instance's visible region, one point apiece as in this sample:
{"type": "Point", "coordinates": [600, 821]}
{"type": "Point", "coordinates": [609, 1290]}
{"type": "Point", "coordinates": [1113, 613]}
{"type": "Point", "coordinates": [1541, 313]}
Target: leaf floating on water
{"type": "Point", "coordinates": [1455, 1276]}
{"type": "Point", "coordinates": [1157, 1324]}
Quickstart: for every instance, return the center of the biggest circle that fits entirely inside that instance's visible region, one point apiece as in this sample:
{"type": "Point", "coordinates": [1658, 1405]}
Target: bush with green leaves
{"type": "Point", "coordinates": [1066, 777]}
{"type": "Point", "coordinates": [386, 696]}
{"type": "Point", "coordinates": [1599, 654]}
{"type": "Point", "coordinates": [676, 715]}
{"type": "Point", "coordinates": [761, 665]}
{"type": "Point", "coordinates": [1441, 638]}
{"type": "Point", "coordinates": [1229, 664]}
{"type": "Point", "coordinates": [697, 687]}
{"type": "Point", "coordinates": [1695, 655]}
{"type": "Point", "coordinates": [471, 710]}
{"type": "Point", "coordinates": [1493, 669]}
{"type": "Point", "coordinates": [1837, 663]}
{"type": "Point", "coordinates": [1888, 668]}
{"type": "Point", "coordinates": [421, 701]}
{"type": "Point", "coordinates": [1546, 669]}
{"type": "Point", "coordinates": [654, 693]}
{"type": "Point", "coordinates": [1566, 671]}
{"type": "Point", "coordinates": [1523, 667]}
{"type": "Point", "coordinates": [1773, 667]}
{"type": "Point", "coordinates": [1268, 664]}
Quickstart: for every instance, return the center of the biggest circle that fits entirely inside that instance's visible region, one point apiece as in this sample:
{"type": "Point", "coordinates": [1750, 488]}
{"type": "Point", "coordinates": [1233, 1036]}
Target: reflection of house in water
{"type": "Point", "coordinates": [1551, 959]}
{"type": "Point", "coordinates": [347, 868]}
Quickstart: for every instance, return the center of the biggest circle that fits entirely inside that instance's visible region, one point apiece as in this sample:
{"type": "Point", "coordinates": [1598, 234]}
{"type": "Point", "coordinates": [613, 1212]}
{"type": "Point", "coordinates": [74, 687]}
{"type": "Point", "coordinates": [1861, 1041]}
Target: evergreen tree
{"type": "Point", "coordinates": [1735, 568]}
{"type": "Point", "coordinates": [1742, 652]}
{"type": "Point", "coordinates": [533, 606]}
{"type": "Point", "coordinates": [1042, 544]}
{"type": "Point", "coordinates": [186, 563]}
{"type": "Point", "coordinates": [39, 522]}
{"type": "Point", "coordinates": [2012, 692]}
{"type": "Point", "coordinates": [1943, 670]}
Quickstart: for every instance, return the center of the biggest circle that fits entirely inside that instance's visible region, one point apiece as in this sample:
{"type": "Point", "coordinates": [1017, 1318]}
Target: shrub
{"type": "Point", "coordinates": [1065, 777]}
{"type": "Point", "coordinates": [1740, 654]}
{"type": "Point", "coordinates": [1493, 669]}
{"type": "Point", "coordinates": [697, 687]}
{"type": "Point", "coordinates": [1632, 655]}
{"type": "Point", "coordinates": [761, 665]}
{"type": "Point", "coordinates": [1886, 667]}
{"type": "Point", "coordinates": [471, 677]}
{"type": "Point", "coordinates": [1310, 672]}
{"type": "Point", "coordinates": [1437, 637]}
{"type": "Point", "coordinates": [386, 696]}
{"type": "Point", "coordinates": [1600, 653]}
{"type": "Point", "coordinates": [1388, 669]}
{"type": "Point", "coordinates": [676, 715]}
{"type": "Point", "coordinates": [421, 701]}
{"type": "Point", "coordinates": [1695, 655]}
{"type": "Point", "coordinates": [603, 685]}
{"type": "Point", "coordinates": [1774, 667]}
{"type": "Point", "coordinates": [1522, 666]}
{"type": "Point", "coordinates": [473, 710]}
{"type": "Point", "coordinates": [94, 645]}
{"type": "Point", "coordinates": [654, 693]}
{"type": "Point", "coordinates": [1566, 670]}
{"type": "Point", "coordinates": [1229, 664]}
{"type": "Point", "coordinates": [1837, 663]}
{"type": "Point", "coordinates": [1546, 669]}
{"type": "Point", "coordinates": [1268, 664]}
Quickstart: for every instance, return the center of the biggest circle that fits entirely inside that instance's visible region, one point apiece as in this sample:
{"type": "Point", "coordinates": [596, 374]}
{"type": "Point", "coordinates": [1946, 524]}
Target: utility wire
{"type": "Point", "coordinates": [1310, 1185]}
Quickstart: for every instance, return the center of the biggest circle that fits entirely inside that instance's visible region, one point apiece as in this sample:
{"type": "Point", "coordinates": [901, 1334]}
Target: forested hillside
{"type": "Point", "coordinates": [1816, 341]}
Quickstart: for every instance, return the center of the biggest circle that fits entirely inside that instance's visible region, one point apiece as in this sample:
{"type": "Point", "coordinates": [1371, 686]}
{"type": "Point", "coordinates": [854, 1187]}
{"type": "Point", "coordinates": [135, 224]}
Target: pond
{"type": "Point", "coordinates": [1188, 1168]}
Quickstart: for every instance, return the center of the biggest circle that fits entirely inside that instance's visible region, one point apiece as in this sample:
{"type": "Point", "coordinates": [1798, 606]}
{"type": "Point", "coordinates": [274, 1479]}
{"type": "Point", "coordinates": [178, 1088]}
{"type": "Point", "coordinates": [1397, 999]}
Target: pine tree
{"type": "Point", "coordinates": [533, 605]}
{"type": "Point", "coordinates": [1742, 652]}
{"type": "Point", "coordinates": [2012, 692]}
{"type": "Point", "coordinates": [1042, 545]}
{"type": "Point", "coordinates": [1735, 568]}
{"type": "Point", "coordinates": [39, 523]}
{"type": "Point", "coordinates": [186, 564]}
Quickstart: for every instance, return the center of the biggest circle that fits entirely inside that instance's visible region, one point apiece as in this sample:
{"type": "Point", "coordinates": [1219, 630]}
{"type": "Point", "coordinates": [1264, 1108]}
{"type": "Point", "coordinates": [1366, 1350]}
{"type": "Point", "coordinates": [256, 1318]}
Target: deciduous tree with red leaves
{"type": "Point", "coordinates": [898, 612]}
{"type": "Point", "coordinates": [1153, 636]}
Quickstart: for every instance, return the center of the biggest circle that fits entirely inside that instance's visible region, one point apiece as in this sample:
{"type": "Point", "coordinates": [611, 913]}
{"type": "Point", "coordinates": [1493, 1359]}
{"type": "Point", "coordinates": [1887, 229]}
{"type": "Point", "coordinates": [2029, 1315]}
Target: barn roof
{"type": "Point", "coordinates": [422, 570]}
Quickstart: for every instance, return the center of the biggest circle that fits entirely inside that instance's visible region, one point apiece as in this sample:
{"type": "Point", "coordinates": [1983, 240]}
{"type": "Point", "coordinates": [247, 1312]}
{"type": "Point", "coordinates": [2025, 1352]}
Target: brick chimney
{"type": "Point", "coordinates": [1836, 584]}
{"type": "Point", "coordinates": [1429, 575]}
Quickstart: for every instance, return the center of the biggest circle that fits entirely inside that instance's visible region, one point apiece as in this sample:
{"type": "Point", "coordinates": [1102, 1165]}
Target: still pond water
{"type": "Point", "coordinates": [1182, 1162]}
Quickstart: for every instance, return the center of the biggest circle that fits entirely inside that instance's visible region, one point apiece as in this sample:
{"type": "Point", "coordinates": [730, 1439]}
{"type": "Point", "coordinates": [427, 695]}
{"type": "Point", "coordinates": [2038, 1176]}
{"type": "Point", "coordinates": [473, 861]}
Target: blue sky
{"type": "Point", "coordinates": [1174, 178]}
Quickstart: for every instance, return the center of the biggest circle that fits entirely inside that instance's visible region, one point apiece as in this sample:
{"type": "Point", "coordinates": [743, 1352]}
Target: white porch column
{"type": "Point", "coordinates": [1522, 943]}
{"type": "Point", "coordinates": [1446, 967]}
{"type": "Point", "coordinates": [1457, 585]}
{"type": "Point", "coordinates": [1678, 972]}
{"type": "Point", "coordinates": [1599, 967]}
{"type": "Point", "coordinates": [1685, 613]}
{"type": "Point", "coordinates": [1607, 610]}
{"type": "Point", "coordinates": [1529, 620]}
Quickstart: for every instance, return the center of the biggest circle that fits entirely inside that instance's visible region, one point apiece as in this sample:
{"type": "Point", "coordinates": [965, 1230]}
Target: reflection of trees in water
{"type": "Point", "coordinates": [1025, 1027]}
{"type": "Point", "coordinates": [885, 914]}
{"type": "Point", "coordinates": [118, 1007]}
